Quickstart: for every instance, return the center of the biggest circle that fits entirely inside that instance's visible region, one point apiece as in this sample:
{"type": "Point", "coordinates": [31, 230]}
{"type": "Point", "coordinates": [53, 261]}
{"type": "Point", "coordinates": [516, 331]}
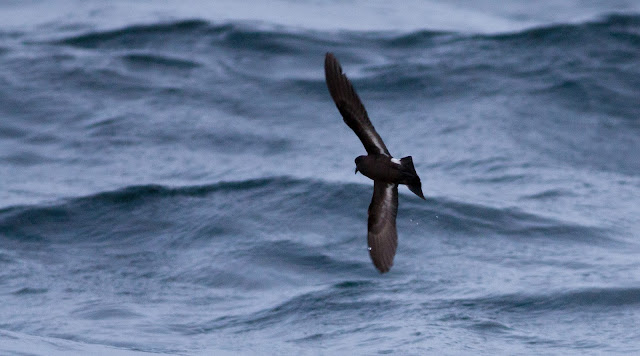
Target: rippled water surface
{"type": "Point", "coordinates": [175, 179]}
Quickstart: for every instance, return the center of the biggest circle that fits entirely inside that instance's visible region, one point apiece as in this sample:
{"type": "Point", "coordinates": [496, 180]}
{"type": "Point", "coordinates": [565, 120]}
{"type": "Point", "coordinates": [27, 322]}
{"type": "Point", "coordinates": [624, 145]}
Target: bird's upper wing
{"type": "Point", "coordinates": [382, 236]}
{"type": "Point", "coordinates": [350, 106]}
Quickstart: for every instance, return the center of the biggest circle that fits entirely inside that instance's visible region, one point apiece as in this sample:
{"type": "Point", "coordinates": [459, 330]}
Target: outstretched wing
{"type": "Point", "coordinates": [382, 236]}
{"type": "Point", "coordinates": [350, 106]}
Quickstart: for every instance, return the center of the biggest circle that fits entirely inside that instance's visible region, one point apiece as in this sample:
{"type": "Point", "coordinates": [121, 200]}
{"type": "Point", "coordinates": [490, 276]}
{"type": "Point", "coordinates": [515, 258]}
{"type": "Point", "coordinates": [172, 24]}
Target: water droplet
{"type": "Point", "coordinates": [369, 248]}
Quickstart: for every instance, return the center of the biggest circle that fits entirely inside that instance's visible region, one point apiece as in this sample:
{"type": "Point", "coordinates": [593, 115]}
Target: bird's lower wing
{"type": "Point", "coordinates": [382, 236]}
{"type": "Point", "coordinates": [351, 108]}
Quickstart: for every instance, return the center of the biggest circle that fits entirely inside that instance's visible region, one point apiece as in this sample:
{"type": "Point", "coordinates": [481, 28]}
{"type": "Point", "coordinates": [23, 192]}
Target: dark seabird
{"type": "Point", "coordinates": [385, 171]}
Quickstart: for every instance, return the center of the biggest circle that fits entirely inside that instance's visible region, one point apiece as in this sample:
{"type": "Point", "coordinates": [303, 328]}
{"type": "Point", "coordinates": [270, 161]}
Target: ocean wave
{"type": "Point", "coordinates": [138, 35]}
{"type": "Point", "coordinates": [303, 308]}
{"type": "Point", "coordinates": [272, 39]}
{"type": "Point", "coordinates": [148, 60]}
{"type": "Point", "coordinates": [233, 207]}
{"type": "Point", "coordinates": [625, 27]}
{"type": "Point", "coordinates": [481, 220]}
{"type": "Point", "coordinates": [563, 61]}
{"type": "Point", "coordinates": [369, 300]}
{"type": "Point", "coordinates": [597, 298]}
{"type": "Point", "coordinates": [17, 343]}
{"type": "Point", "coordinates": [237, 36]}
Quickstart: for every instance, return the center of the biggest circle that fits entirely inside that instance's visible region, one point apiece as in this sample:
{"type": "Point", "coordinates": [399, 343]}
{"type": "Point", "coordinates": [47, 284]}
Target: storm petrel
{"type": "Point", "coordinates": [385, 171]}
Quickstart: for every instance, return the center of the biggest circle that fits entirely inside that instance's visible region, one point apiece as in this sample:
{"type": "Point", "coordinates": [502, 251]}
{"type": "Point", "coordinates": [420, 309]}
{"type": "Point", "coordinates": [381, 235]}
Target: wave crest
{"type": "Point", "coordinates": [282, 204]}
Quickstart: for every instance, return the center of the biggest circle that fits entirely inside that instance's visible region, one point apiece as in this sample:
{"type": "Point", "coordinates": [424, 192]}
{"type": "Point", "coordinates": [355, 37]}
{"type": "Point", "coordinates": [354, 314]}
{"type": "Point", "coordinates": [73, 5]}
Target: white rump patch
{"type": "Point", "coordinates": [395, 160]}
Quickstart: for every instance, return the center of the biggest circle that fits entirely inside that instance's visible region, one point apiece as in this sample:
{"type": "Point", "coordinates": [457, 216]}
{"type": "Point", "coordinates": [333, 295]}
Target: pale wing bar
{"type": "Point", "coordinates": [382, 236]}
{"type": "Point", "coordinates": [351, 108]}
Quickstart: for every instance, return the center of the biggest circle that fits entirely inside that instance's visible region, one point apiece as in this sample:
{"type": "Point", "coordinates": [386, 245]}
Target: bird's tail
{"type": "Point", "coordinates": [411, 177]}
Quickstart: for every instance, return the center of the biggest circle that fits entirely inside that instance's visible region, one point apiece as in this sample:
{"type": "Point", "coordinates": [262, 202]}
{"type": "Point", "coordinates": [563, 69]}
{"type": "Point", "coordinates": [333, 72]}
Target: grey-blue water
{"type": "Point", "coordinates": [175, 178]}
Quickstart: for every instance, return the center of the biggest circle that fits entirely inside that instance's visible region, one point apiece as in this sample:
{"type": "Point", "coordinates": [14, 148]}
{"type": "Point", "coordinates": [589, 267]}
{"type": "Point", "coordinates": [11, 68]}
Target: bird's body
{"type": "Point", "coordinates": [379, 167]}
{"type": "Point", "coordinates": [385, 171]}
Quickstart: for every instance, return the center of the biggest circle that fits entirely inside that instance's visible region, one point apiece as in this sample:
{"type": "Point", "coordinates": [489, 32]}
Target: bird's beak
{"type": "Point", "coordinates": [356, 172]}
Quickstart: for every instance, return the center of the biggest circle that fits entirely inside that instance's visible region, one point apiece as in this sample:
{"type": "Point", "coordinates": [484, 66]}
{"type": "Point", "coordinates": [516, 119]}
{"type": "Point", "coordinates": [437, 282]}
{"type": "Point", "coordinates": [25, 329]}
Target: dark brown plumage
{"type": "Point", "coordinates": [382, 235]}
{"type": "Point", "coordinates": [351, 108]}
{"type": "Point", "coordinates": [385, 171]}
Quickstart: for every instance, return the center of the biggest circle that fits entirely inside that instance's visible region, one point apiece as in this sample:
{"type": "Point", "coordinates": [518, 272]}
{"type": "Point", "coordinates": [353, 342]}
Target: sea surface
{"type": "Point", "coordinates": [176, 180]}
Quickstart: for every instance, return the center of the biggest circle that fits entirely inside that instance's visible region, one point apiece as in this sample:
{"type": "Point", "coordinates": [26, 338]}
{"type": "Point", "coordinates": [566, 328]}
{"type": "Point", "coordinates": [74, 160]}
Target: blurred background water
{"type": "Point", "coordinates": [175, 179]}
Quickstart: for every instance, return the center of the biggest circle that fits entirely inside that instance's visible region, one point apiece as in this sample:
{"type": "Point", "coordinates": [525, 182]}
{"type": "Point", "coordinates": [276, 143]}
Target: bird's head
{"type": "Point", "coordinates": [359, 160]}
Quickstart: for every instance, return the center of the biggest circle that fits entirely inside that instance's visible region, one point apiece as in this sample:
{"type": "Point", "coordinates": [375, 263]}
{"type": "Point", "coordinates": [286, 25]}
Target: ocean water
{"type": "Point", "coordinates": [175, 179]}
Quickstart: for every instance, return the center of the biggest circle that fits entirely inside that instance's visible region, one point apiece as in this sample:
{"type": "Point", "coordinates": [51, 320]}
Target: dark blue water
{"type": "Point", "coordinates": [177, 180]}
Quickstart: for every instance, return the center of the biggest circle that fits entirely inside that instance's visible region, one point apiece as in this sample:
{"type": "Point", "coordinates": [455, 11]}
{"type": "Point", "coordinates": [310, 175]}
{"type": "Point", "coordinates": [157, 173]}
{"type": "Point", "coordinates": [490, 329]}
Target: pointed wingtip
{"type": "Point", "coordinates": [328, 59]}
{"type": "Point", "coordinates": [382, 266]}
{"type": "Point", "coordinates": [332, 69]}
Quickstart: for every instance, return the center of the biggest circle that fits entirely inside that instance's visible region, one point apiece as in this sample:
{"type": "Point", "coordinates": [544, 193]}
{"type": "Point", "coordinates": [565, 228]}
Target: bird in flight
{"type": "Point", "coordinates": [385, 171]}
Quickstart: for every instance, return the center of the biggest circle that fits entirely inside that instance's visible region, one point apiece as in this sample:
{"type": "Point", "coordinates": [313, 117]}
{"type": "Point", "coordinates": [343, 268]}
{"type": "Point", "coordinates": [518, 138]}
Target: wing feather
{"type": "Point", "coordinates": [382, 236]}
{"type": "Point", "coordinates": [351, 108]}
